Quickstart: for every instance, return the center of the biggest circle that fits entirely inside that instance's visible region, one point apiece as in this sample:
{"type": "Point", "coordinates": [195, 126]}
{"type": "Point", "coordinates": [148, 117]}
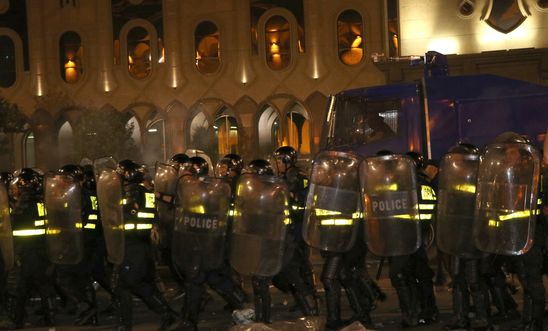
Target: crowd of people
{"type": "Point", "coordinates": [64, 231]}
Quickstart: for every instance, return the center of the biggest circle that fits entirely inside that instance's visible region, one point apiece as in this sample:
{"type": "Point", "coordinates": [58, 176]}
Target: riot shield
{"type": "Point", "coordinates": [506, 199]}
{"type": "Point", "coordinates": [109, 194]}
{"type": "Point", "coordinates": [199, 237]}
{"type": "Point", "coordinates": [456, 204]}
{"type": "Point", "coordinates": [389, 187]}
{"type": "Point", "coordinates": [6, 236]}
{"type": "Point", "coordinates": [261, 218]}
{"type": "Point", "coordinates": [165, 183]}
{"type": "Point", "coordinates": [63, 201]}
{"type": "Point", "coordinates": [105, 163]}
{"type": "Point", "coordinates": [333, 203]}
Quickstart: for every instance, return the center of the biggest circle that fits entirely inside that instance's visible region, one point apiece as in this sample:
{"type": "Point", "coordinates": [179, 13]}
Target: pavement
{"type": "Point", "coordinates": [214, 318]}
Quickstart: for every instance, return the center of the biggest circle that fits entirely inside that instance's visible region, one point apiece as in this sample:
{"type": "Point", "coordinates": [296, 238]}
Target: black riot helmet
{"type": "Point", "coordinates": [230, 165]}
{"type": "Point", "coordinates": [286, 154]}
{"type": "Point", "coordinates": [260, 167]}
{"type": "Point", "coordinates": [26, 182]}
{"type": "Point", "coordinates": [5, 178]}
{"type": "Point", "coordinates": [89, 177]}
{"type": "Point", "coordinates": [131, 172]}
{"type": "Point", "coordinates": [463, 148]}
{"type": "Point", "coordinates": [511, 137]}
{"type": "Point", "coordinates": [75, 171]}
{"type": "Point", "coordinates": [418, 159]}
{"type": "Point", "coordinates": [199, 166]}
{"type": "Point", "coordinates": [384, 152]}
{"type": "Point", "coordinates": [179, 160]}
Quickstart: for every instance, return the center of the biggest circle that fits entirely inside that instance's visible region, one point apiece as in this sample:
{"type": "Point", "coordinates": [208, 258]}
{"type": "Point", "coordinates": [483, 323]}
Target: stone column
{"type": "Point", "coordinates": [174, 76]}
{"type": "Point", "coordinates": [106, 83]}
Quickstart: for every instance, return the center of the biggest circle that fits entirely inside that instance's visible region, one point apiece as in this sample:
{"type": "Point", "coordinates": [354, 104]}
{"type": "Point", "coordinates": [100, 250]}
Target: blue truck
{"type": "Point", "coordinates": [433, 114]}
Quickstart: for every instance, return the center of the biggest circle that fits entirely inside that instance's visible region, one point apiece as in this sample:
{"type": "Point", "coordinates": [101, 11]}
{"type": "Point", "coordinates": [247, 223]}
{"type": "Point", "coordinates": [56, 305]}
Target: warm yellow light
{"type": "Point", "coordinates": [71, 72]}
{"type": "Point", "coordinates": [274, 48]}
{"type": "Point", "coordinates": [357, 42]}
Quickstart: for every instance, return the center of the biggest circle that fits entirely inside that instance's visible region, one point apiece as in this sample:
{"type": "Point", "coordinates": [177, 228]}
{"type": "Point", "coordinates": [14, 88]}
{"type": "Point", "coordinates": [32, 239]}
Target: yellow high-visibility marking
{"type": "Point", "coordinates": [150, 201]}
{"type": "Point", "coordinates": [388, 187]}
{"type": "Point", "coordinates": [337, 222]}
{"type": "Point", "coordinates": [425, 216]}
{"type": "Point", "coordinates": [145, 215]}
{"type": "Point", "coordinates": [325, 212]}
{"type": "Point", "coordinates": [92, 217]}
{"type": "Point", "coordinates": [25, 233]}
{"type": "Point", "coordinates": [427, 193]}
{"type": "Point", "coordinates": [426, 206]}
{"type": "Point", "coordinates": [468, 188]}
{"type": "Point", "coordinates": [493, 223]}
{"type": "Point", "coordinates": [90, 226]}
{"type": "Point", "coordinates": [518, 214]}
{"type": "Point", "coordinates": [41, 209]}
{"type": "Point", "coordinates": [39, 223]}
{"type": "Point", "coordinates": [93, 200]}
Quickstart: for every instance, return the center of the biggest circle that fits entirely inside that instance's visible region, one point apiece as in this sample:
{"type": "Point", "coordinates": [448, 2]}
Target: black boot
{"type": "Point", "coordinates": [460, 309]}
{"type": "Point", "coordinates": [408, 305]}
{"type": "Point", "coordinates": [48, 305]}
{"type": "Point", "coordinates": [262, 299]}
{"type": "Point", "coordinates": [360, 304]}
{"type": "Point", "coordinates": [90, 315]}
{"type": "Point", "coordinates": [160, 306]}
{"type": "Point", "coordinates": [125, 310]}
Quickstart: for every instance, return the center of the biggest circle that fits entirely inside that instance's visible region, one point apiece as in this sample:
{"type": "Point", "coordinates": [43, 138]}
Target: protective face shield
{"type": "Point", "coordinates": [260, 167]}
{"type": "Point", "coordinates": [72, 170]}
{"type": "Point", "coordinates": [511, 137]}
{"type": "Point", "coordinates": [418, 159]}
{"type": "Point", "coordinates": [231, 165]}
{"type": "Point", "coordinates": [285, 156]}
{"type": "Point", "coordinates": [179, 160]}
{"type": "Point", "coordinates": [131, 172]}
{"type": "Point", "coordinates": [5, 178]}
{"type": "Point", "coordinates": [89, 177]}
{"type": "Point", "coordinates": [25, 184]}
{"type": "Point", "coordinates": [199, 166]}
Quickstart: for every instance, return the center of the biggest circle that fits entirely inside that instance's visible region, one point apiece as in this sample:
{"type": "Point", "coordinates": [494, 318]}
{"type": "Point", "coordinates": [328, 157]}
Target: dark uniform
{"type": "Point", "coordinates": [29, 229]}
{"type": "Point", "coordinates": [136, 274]}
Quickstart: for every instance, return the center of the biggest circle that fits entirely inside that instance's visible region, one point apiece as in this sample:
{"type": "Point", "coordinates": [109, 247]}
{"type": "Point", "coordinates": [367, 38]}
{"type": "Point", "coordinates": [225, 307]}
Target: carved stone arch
{"type": "Point", "coordinates": [268, 128]}
{"type": "Point", "coordinates": [297, 132]}
{"type": "Point", "coordinates": [43, 126]}
{"type": "Point", "coordinates": [317, 104]}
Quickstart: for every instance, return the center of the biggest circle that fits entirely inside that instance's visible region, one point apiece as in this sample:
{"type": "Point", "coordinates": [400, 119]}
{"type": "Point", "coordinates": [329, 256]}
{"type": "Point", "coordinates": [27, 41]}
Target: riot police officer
{"type": "Point", "coordinates": [28, 224]}
{"type": "Point", "coordinates": [135, 275]}
{"type": "Point", "coordinates": [301, 283]}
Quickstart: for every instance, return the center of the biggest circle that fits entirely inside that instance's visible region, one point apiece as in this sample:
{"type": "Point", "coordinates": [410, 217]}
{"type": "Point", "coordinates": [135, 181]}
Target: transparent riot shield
{"type": "Point", "coordinates": [261, 218]}
{"type": "Point", "coordinates": [109, 194]}
{"type": "Point", "coordinates": [333, 204]}
{"type": "Point", "coordinates": [456, 204]}
{"type": "Point", "coordinates": [165, 182]}
{"type": "Point", "coordinates": [63, 201]}
{"type": "Point", "coordinates": [105, 163]}
{"type": "Point", "coordinates": [199, 237]}
{"type": "Point", "coordinates": [389, 187]}
{"type": "Point", "coordinates": [508, 180]}
{"type": "Point", "coordinates": [6, 236]}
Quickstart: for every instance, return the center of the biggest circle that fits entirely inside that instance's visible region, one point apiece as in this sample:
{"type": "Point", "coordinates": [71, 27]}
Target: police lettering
{"type": "Point", "coordinates": [201, 223]}
{"type": "Point", "coordinates": [388, 205]}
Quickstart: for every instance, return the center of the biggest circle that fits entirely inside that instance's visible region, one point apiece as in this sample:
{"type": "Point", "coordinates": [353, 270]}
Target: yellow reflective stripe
{"type": "Point", "coordinates": [197, 209]}
{"type": "Point", "coordinates": [427, 193]}
{"type": "Point", "coordinates": [92, 217]}
{"type": "Point", "coordinates": [145, 215]}
{"type": "Point", "coordinates": [391, 187]}
{"type": "Point", "coordinates": [518, 214]}
{"type": "Point", "coordinates": [90, 226]}
{"type": "Point", "coordinates": [41, 209]}
{"type": "Point", "coordinates": [150, 201]}
{"type": "Point", "coordinates": [138, 226]}
{"type": "Point", "coordinates": [231, 212]}
{"type": "Point", "coordinates": [24, 233]}
{"type": "Point", "coordinates": [305, 182]}
{"type": "Point", "coordinates": [539, 201]}
{"type": "Point", "coordinates": [65, 205]}
{"type": "Point", "coordinates": [123, 202]}
{"type": "Point", "coordinates": [93, 200]}
{"type": "Point", "coordinates": [493, 223]}
{"type": "Point", "coordinates": [296, 207]}
{"type": "Point", "coordinates": [287, 221]}
{"type": "Point", "coordinates": [78, 225]}
{"type": "Point", "coordinates": [39, 222]}
{"type": "Point", "coordinates": [426, 206]}
{"type": "Point", "coordinates": [325, 212]}
{"type": "Point", "coordinates": [407, 217]}
{"type": "Point", "coordinates": [425, 216]}
{"type": "Point", "coordinates": [337, 222]}
{"type": "Point", "coordinates": [357, 215]}
{"type": "Point", "coordinates": [468, 188]}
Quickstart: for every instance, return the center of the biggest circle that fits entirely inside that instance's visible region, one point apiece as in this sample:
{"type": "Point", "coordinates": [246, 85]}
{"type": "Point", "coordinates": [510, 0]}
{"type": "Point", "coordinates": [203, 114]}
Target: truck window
{"type": "Point", "coordinates": [363, 121]}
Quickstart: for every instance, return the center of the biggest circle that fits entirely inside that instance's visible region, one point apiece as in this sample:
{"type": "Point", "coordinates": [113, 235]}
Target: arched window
{"type": "Point", "coordinates": [65, 143]}
{"type": "Point", "coordinates": [350, 37]}
{"type": "Point", "coordinates": [277, 42]}
{"type": "Point", "coordinates": [71, 54]}
{"type": "Point", "coordinates": [226, 132]}
{"type": "Point", "coordinates": [298, 130]}
{"type": "Point", "coordinates": [139, 56]}
{"type": "Point", "coordinates": [206, 43]}
{"type": "Point", "coordinates": [7, 62]}
{"type": "Point", "coordinates": [136, 133]}
{"type": "Point", "coordinates": [29, 150]}
{"type": "Point", "coordinates": [201, 135]}
{"type": "Point", "coordinates": [543, 4]}
{"type": "Point", "coordinates": [269, 130]}
{"type": "Point", "coordinates": [155, 141]}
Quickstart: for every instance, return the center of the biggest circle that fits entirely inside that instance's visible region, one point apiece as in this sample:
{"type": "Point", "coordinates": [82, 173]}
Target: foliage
{"type": "Point", "coordinates": [203, 138]}
{"type": "Point", "coordinates": [11, 118]}
{"type": "Point", "coordinates": [101, 133]}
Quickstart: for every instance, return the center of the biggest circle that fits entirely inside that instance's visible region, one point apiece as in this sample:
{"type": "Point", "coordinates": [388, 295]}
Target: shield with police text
{"type": "Point", "coordinates": [261, 218]}
{"type": "Point", "coordinates": [333, 204]}
{"type": "Point", "coordinates": [63, 201]}
{"type": "Point", "coordinates": [199, 237]}
{"type": "Point", "coordinates": [506, 209]}
{"type": "Point", "coordinates": [165, 183]}
{"type": "Point", "coordinates": [456, 204]}
{"type": "Point", "coordinates": [109, 194]}
{"type": "Point", "coordinates": [6, 236]}
{"type": "Point", "coordinates": [392, 222]}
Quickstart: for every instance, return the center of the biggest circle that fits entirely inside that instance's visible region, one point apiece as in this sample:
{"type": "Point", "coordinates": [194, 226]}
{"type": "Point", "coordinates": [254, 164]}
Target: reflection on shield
{"type": "Point", "coordinates": [6, 236]}
{"type": "Point", "coordinates": [391, 205]}
{"type": "Point", "coordinates": [165, 183]}
{"type": "Point", "coordinates": [109, 194]}
{"type": "Point", "coordinates": [506, 199]}
{"type": "Point", "coordinates": [333, 208]}
{"type": "Point", "coordinates": [505, 15]}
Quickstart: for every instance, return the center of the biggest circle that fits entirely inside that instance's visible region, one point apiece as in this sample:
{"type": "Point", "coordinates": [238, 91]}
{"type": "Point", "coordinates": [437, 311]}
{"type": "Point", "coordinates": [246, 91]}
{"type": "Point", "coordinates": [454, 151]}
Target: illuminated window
{"type": "Point", "coordinates": [71, 53]}
{"type": "Point", "coordinates": [226, 132]}
{"type": "Point", "coordinates": [65, 143]}
{"type": "Point", "coordinates": [350, 37]}
{"type": "Point", "coordinates": [29, 150]}
{"type": "Point", "coordinates": [154, 141]}
{"type": "Point", "coordinates": [206, 43]}
{"type": "Point", "coordinates": [269, 130]}
{"type": "Point", "coordinates": [393, 28]}
{"type": "Point", "coordinates": [7, 62]}
{"type": "Point", "coordinates": [277, 43]}
{"type": "Point", "coordinates": [298, 130]}
{"type": "Point", "coordinates": [139, 57]}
